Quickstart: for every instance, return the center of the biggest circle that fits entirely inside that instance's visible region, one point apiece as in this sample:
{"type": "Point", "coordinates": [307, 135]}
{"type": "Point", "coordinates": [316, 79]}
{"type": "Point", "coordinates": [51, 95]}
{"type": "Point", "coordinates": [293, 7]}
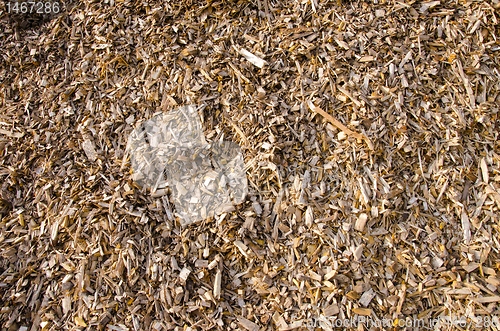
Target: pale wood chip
{"type": "Point", "coordinates": [247, 324]}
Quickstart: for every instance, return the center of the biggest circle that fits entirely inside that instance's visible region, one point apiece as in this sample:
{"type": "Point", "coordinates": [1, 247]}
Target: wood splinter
{"type": "Point", "coordinates": [339, 125]}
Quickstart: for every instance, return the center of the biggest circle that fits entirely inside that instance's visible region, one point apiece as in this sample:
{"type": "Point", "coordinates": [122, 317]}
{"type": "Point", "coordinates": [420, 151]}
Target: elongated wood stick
{"type": "Point", "coordinates": [339, 125]}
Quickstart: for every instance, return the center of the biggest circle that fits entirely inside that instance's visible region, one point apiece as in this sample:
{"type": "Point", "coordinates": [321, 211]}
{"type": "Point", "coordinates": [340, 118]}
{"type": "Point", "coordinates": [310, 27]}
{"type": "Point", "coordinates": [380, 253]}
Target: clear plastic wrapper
{"type": "Point", "coordinates": [170, 150]}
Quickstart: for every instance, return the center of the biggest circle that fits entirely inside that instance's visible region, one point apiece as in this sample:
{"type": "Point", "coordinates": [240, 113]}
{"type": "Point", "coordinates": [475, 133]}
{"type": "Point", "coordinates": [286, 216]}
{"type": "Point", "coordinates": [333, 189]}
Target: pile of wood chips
{"type": "Point", "coordinates": [370, 133]}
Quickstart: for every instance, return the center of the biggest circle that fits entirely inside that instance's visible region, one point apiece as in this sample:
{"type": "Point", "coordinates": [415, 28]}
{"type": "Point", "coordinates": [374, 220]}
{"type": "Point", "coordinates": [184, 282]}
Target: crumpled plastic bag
{"type": "Point", "coordinates": [170, 150]}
